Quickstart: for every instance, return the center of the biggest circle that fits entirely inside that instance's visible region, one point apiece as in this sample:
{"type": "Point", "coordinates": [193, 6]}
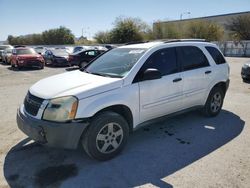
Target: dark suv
{"type": "Point", "coordinates": [82, 58]}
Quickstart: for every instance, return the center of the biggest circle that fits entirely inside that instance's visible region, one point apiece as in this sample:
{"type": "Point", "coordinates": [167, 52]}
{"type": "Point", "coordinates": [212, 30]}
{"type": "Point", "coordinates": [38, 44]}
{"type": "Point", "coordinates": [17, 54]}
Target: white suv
{"type": "Point", "coordinates": [124, 88]}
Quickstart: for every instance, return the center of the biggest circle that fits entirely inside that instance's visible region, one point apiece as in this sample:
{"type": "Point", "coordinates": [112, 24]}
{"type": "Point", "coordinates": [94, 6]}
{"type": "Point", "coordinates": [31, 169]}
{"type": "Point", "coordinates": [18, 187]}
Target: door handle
{"type": "Point", "coordinates": [208, 72]}
{"type": "Point", "coordinates": [177, 79]}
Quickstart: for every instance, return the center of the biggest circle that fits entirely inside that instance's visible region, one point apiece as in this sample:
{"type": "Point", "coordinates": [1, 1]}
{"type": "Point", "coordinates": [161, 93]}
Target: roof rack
{"type": "Point", "coordinates": [136, 42]}
{"type": "Point", "coordinates": [185, 40]}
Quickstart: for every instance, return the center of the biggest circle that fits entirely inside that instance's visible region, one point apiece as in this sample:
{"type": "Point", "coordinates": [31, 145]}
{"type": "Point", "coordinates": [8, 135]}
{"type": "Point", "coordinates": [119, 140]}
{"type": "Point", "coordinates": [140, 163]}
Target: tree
{"type": "Point", "coordinates": [158, 32]}
{"type": "Point", "coordinates": [62, 35]}
{"type": "Point", "coordinates": [126, 30]}
{"type": "Point", "coordinates": [240, 27]}
{"type": "Point", "coordinates": [205, 29]}
{"type": "Point", "coordinates": [103, 37]}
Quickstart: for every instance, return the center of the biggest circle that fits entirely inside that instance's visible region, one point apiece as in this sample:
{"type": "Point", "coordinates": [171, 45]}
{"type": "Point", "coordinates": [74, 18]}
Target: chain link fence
{"type": "Point", "coordinates": [235, 48]}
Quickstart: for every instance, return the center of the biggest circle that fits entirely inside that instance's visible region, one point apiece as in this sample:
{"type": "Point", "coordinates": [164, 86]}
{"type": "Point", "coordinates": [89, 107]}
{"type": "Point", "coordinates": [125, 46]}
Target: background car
{"type": "Point", "coordinates": [40, 49]}
{"type": "Point", "coordinates": [26, 57]}
{"type": "Point", "coordinates": [6, 56]}
{"type": "Point", "coordinates": [245, 72]}
{"type": "Point", "coordinates": [2, 48]}
{"type": "Point", "coordinates": [82, 58]}
{"type": "Point", "coordinates": [56, 57]}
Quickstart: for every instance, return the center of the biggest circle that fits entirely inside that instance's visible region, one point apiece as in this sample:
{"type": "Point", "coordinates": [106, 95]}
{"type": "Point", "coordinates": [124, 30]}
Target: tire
{"type": "Point", "coordinates": [42, 66]}
{"type": "Point", "coordinates": [18, 66]}
{"type": "Point", "coordinates": [245, 80]}
{"type": "Point", "coordinates": [106, 136]}
{"type": "Point", "coordinates": [214, 102]}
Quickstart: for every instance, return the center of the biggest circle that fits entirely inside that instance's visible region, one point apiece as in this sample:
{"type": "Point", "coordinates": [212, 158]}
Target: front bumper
{"type": "Point", "coordinates": [32, 63]}
{"type": "Point", "coordinates": [60, 135]}
{"type": "Point", "coordinates": [60, 62]}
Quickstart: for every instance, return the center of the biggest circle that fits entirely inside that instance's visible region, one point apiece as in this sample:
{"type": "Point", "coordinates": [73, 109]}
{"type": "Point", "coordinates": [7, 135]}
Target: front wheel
{"type": "Point", "coordinates": [106, 136]}
{"type": "Point", "coordinates": [214, 102]}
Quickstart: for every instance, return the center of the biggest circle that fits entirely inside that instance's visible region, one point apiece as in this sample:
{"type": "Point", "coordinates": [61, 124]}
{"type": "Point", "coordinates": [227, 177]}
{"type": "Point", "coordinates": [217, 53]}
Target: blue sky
{"type": "Point", "coordinates": [20, 17]}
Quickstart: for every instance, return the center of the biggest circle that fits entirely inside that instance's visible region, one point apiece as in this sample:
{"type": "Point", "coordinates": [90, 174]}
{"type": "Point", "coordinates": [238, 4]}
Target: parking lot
{"type": "Point", "coordinates": [189, 150]}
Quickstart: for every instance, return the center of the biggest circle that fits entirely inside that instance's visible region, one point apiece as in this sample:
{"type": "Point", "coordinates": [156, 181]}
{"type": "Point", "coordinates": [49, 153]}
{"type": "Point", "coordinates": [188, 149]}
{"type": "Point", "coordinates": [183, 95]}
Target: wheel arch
{"type": "Point", "coordinates": [122, 110]}
{"type": "Point", "coordinates": [222, 85]}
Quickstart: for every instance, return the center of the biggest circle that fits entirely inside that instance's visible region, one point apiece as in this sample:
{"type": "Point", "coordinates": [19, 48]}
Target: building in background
{"type": "Point", "coordinates": [167, 27]}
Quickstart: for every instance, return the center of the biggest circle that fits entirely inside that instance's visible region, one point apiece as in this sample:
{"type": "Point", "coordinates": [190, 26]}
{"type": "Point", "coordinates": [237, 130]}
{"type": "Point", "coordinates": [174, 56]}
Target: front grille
{"type": "Point", "coordinates": [33, 63]}
{"type": "Point", "coordinates": [32, 104]}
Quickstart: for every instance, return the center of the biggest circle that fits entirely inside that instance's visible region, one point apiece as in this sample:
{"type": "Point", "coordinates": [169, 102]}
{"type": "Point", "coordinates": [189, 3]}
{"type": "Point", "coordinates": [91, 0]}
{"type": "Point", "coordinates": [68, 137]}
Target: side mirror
{"type": "Point", "coordinates": [151, 74]}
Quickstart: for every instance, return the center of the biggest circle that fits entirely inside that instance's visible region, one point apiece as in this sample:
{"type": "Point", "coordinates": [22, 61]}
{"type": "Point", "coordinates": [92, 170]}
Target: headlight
{"type": "Point", "coordinates": [61, 109]}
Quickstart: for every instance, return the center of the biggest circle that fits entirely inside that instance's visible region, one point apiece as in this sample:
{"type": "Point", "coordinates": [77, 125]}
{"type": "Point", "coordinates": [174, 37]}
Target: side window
{"type": "Point", "coordinates": [191, 57]}
{"type": "Point", "coordinates": [91, 53]}
{"type": "Point", "coordinates": [216, 55]}
{"type": "Point", "coordinates": [164, 60]}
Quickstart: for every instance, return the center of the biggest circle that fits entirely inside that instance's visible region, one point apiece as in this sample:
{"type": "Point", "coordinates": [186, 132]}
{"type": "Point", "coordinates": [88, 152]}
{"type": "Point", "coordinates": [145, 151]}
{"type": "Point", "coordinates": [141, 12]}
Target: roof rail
{"type": "Point", "coordinates": [185, 40]}
{"type": "Point", "coordinates": [136, 42]}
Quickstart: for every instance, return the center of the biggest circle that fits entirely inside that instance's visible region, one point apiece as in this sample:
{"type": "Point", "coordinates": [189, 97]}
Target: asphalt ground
{"type": "Point", "coordinates": [188, 150]}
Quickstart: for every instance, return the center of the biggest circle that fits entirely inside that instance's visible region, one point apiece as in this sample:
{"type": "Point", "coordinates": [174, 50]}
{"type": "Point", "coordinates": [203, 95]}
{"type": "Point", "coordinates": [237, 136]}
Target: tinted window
{"type": "Point", "coordinates": [90, 53]}
{"type": "Point", "coordinates": [216, 55]}
{"type": "Point", "coordinates": [163, 60]}
{"type": "Point", "coordinates": [191, 57]}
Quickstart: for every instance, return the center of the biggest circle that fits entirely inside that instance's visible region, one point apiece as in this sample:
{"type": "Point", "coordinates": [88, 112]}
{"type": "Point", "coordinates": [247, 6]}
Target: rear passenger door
{"type": "Point", "coordinates": [160, 96]}
{"type": "Point", "coordinates": [196, 73]}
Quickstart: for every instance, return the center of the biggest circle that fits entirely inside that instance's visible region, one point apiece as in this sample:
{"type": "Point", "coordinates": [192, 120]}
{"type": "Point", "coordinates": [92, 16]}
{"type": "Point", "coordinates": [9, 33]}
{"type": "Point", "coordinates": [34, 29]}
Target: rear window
{"type": "Point", "coordinates": [216, 55]}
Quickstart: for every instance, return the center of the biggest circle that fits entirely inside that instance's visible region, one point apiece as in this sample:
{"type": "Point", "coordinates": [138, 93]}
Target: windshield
{"type": "Point", "coordinates": [115, 63]}
{"type": "Point", "coordinates": [9, 50]}
{"type": "Point", "coordinates": [60, 52]}
{"type": "Point", "coordinates": [25, 51]}
{"type": "Point", "coordinates": [4, 47]}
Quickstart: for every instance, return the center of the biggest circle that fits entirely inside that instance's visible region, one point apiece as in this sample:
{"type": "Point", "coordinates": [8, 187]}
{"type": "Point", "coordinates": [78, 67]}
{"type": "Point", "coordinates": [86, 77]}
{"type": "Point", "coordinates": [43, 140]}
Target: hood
{"type": "Point", "coordinates": [75, 83]}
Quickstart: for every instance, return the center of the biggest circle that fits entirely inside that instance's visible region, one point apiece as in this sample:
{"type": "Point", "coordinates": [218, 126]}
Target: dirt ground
{"type": "Point", "coordinates": [189, 150]}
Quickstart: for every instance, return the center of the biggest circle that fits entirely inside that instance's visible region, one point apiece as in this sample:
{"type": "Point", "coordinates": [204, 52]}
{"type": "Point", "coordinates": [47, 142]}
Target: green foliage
{"type": "Point", "coordinates": [240, 27]}
{"type": "Point", "coordinates": [103, 37]}
{"type": "Point", "coordinates": [205, 29]}
{"type": "Point", "coordinates": [172, 31]}
{"type": "Point", "coordinates": [83, 40]}
{"type": "Point", "coordinates": [61, 35]}
{"type": "Point", "coordinates": [158, 31]}
{"type": "Point", "coordinates": [125, 30]}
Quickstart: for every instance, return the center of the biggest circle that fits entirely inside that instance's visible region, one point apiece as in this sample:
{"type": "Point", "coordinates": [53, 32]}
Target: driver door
{"type": "Point", "coordinates": [161, 96]}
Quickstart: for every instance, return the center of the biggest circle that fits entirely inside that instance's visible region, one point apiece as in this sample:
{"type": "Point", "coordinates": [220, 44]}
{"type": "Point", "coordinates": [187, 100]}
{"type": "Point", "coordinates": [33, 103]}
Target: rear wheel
{"type": "Point", "coordinates": [106, 136]}
{"type": "Point", "coordinates": [214, 102]}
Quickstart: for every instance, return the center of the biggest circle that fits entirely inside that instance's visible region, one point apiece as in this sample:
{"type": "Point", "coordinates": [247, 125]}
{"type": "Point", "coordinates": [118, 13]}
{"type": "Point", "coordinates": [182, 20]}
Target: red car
{"type": "Point", "coordinates": [26, 57]}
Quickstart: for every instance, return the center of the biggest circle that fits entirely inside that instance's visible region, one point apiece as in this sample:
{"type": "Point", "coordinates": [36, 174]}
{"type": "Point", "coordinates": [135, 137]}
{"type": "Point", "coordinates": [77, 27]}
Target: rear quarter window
{"type": "Point", "coordinates": [216, 55]}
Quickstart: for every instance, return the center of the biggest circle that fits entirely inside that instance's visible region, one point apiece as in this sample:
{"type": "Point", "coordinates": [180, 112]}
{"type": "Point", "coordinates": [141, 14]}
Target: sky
{"type": "Point", "coordinates": [21, 17]}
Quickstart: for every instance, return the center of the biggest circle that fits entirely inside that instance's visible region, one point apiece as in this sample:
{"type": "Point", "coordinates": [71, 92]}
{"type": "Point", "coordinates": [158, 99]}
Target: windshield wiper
{"type": "Point", "coordinates": [100, 74]}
